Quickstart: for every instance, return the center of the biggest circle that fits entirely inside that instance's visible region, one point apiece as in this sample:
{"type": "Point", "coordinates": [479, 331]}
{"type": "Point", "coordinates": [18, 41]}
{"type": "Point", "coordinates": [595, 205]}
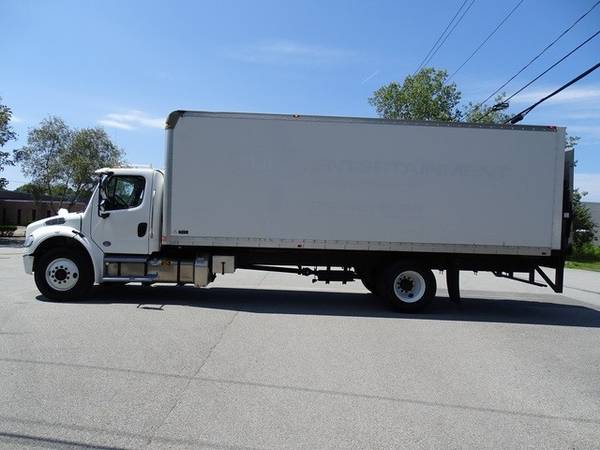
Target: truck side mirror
{"type": "Point", "coordinates": [102, 209]}
{"type": "Point", "coordinates": [101, 196]}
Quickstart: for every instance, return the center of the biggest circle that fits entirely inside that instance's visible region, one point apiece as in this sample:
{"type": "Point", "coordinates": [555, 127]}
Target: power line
{"type": "Point", "coordinates": [553, 65]}
{"type": "Point", "coordinates": [441, 35]}
{"type": "Point", "coordinates": [487, 38]}
{"type": "Point", "coordinates": [539, 54]}
{"type": "Point", "coordinates": [449, 33]}
{"type": "Point", "coordinates": [504, 103]}
{"type": "Point", "coordinates": [518, 117]}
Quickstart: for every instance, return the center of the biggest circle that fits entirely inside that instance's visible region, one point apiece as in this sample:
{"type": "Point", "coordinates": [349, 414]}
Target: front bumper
{"type": "Point", "coordinates": [28, 263]}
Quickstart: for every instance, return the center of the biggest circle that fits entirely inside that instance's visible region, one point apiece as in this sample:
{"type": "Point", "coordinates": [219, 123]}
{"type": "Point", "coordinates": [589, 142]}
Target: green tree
{"type": "Point", "coordinates": [583, 225]}
{"type": "Point", "coordinates": [31, 188]}
{"type": "Point", "coordinates": [40, 159]}
{"type": "Point", "coordinates": [90, 149]}
{"type": "Point", "coordinates": [60, 161]}
{"type": "Point", "coordinates": [427, 95]}
{"type": "Point", "coordinates": [423, 96]}
{"type": "Point", "coordinates": [38, 191]}
{"type": "Point", "coordinates": [4, 161]}
{"type": "Point", "coordinates": [475, 112]}
{"type": "Point", "coordinates": [572, 141]}
{"type": "Point", "coordinates": [6, 134]}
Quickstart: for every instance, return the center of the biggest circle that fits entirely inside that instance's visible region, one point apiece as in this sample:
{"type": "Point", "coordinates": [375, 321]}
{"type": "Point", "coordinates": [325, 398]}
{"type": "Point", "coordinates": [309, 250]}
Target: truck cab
{"type": "Point", "coordinates": [125, 211]}
{"type": "Point", "coordinates": [69, 252]}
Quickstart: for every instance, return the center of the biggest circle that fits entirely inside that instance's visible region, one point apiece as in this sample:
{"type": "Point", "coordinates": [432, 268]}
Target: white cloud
{"type": "Point", "coordinates": [583, 114]}
{"type": "Point", "coordinates": [289, 52]}
{"type": "Point", "coordinates": [592, 130]}
{"type": "Point", "coordinates": [115, 124]}
{"type": "Point", "coordinates": [131, 120]}
{"type": "Point", "coordinates": [569, 95]}
{"type": "Point", "coordinates": [590, 183]}
{"type": "Point", "coordinates": [16, 119]}
{"type": "Point", "coordinates": [589, 134]}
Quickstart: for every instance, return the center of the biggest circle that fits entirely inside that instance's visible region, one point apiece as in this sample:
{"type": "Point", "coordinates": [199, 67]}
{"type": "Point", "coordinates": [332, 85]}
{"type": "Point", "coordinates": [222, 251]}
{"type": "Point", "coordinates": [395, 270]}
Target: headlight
{"type": "Point", "coordinates": [55, 221]}
{"type": "Point", "coordinates": [28, 241]}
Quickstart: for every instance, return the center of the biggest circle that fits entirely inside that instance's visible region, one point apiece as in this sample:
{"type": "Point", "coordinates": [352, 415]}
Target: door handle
{"type": "Point", "coordinates": [142, 227]}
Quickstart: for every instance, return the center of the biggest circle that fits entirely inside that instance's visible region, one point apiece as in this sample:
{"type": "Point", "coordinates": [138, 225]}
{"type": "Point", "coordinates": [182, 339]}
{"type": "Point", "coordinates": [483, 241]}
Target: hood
{"type": "Point", "coordinates": [72, 220]}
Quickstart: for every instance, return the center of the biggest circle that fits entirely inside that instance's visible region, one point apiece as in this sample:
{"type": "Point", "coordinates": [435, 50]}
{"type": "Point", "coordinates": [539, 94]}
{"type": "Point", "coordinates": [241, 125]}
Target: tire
{"type": "Point", "coordinates": [406, 287]}
{"type": "Point", "coordinates": [63, 274]}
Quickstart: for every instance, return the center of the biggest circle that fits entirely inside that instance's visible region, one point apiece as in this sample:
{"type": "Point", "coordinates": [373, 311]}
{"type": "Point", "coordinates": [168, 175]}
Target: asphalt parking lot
{"type": "Point", "coordinates": [272, 361]}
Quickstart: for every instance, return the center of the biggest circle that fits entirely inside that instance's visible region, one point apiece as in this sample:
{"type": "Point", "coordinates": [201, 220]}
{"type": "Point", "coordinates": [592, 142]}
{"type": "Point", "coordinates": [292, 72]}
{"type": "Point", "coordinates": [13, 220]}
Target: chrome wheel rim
{"type": "Point", "coordinates": [62, 274]}
{"type": "Point", "coordinates": [409, 286]}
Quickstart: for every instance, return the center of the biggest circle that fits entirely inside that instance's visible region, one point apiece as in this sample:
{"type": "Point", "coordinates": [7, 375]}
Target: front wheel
{"type": "Point", "coordinates": [407, 288]}
{"type": "Point", "coordinates": [63, 274]}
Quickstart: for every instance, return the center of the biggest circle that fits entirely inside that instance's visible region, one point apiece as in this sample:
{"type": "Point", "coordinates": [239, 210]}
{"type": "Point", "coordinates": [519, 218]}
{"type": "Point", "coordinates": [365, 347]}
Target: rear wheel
{"type": "Point", "coordinates": [63, 274]}
{"type": "Point", "coordinates": [407, 288]}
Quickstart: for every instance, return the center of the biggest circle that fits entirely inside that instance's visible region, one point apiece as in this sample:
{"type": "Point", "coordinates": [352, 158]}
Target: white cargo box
{"type": "Point", "coordinates": [260, 180]}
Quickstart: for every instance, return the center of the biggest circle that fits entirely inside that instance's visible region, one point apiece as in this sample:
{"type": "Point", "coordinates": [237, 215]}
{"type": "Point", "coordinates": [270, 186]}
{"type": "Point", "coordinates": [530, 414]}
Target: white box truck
{"type": "Point", "coordinates": [336, 198]}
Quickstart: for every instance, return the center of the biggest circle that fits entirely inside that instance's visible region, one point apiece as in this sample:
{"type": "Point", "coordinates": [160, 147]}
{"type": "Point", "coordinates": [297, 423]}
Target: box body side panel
{"type": "Point", "coordinates": [239, 180]}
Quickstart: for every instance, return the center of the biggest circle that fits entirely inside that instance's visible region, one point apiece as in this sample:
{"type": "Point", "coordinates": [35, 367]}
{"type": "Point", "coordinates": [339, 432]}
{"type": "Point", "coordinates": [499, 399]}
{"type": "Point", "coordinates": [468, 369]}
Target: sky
{"type": "Point", "coordinates": [125, 65]}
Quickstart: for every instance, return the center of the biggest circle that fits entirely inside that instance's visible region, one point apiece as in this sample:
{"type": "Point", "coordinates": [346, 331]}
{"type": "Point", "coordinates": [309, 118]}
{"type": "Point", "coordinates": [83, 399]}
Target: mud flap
{"type": "Point", "coordinates": [453, 284]}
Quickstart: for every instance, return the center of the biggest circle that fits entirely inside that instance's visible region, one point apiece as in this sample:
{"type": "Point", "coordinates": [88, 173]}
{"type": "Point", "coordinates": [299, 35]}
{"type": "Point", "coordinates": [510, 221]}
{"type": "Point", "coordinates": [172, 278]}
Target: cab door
{"type": "Point", "coordinates": [122, 222]}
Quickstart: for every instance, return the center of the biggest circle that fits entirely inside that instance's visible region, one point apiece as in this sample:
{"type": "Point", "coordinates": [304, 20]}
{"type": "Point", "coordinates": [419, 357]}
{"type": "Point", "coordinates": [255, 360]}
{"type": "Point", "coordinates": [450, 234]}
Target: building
{"type": "Point", "coordinates": [594, 208]}
{"type": "Point", "coordinates": [20, 208]}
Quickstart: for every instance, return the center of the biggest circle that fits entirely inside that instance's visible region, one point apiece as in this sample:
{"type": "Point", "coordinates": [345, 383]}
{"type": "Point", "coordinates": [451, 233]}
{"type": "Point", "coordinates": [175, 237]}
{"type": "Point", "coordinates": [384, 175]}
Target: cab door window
{"type": "Point", "coordinates": [123, 192]}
